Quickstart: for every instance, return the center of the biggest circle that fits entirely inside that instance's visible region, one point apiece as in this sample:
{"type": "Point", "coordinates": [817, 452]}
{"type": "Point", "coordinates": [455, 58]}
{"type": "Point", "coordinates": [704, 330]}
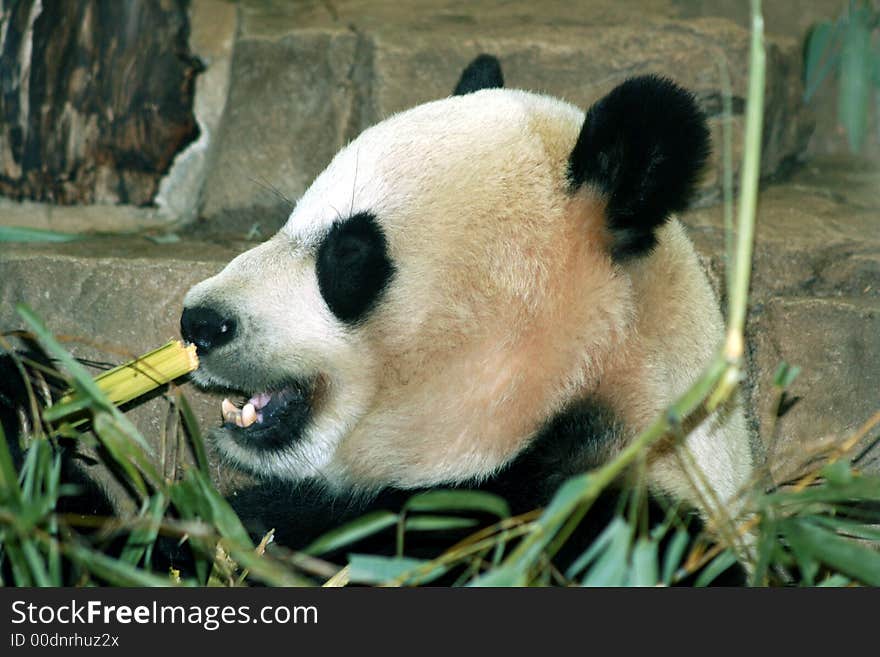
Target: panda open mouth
{"type": "Point", "coordinates": [268, 420]}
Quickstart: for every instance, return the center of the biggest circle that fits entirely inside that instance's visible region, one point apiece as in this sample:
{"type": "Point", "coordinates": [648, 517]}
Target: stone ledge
{"type": "Point", "coordinates": [79, 218]}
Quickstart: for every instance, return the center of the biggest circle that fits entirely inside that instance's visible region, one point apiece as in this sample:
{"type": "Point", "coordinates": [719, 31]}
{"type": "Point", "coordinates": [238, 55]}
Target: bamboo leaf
{"type": "Point", "coordinates": [596, 547]}
{"type": "Point", "coordinates": [222, 513]}
{"type": "Point", "coordinates": [715, 568]}
{"type": "Point", "coordinates": [835, 580]}
{"type": "Point", "coordinates": [563, 504]}
{"type": "Point", "coordinates": [645, 558]}
{"type": "Point", "coordinates": [143, 537]}
{"type": "Point", "coordinates": [352, 532]}
{"type": "Point", "coordinates": [63, 409]}
{"type": "Point", "coordinates": [853, 528]}
{"type": "Point", "coordinates": [816, 51]}
{"type": "Point", "coordinates": [115, 572]}
{"type": "Point", "coordinates": [34, 461]}
{"type": "Point", "coordinates": [842, 554]}
{"type": "Point", "coordinates": [187, 500]}
{"type": "Point", "coordinates": [511, 575]}
{"type": "Point", "coordinates": [81, 378]}
{"type": "Point", "coordinates": [876, 58]}
{"type": "Point", "coordinates": [9, 489]}
{"type": "Point", "coordinates": [838, 473]}
{"type": "Point", "coordinates": [266, 570]}
{"type": "Point", "coordinates": [21, 575]}
{"type": "Point", "coordinates": [120, 450]}
{"type": "Point", "coordinates": [54, 557]}
{"type": "Point", "coordinates": [194, 433]}
{"type": "Point", "coordinates": [785, 375]}
{"type": "Point", "coordinates": [459, 500]}
{"type": "Point", "coordinates": [35, 563]}
{"type": "Point", "coordinates": [856, 71]}
{"type": "Point", "coordinates": [673, 555]}
{"type": "Point", "coordinates": [806, 562]}
{"type": "Point", "coordinates": [191, 504]}
{"type": "Point", "coordinates": [23, 234]}
{"type": "Point", "coordinates": [437, 523]}
{"type": "Point", "coordinates": [611, 567]}
{"type": "Point", "coordinates": [861, 488]}
{"type": "Point", "coordinates": [766, 548]}
{"type": "Point", "coordinates": [369, 569]}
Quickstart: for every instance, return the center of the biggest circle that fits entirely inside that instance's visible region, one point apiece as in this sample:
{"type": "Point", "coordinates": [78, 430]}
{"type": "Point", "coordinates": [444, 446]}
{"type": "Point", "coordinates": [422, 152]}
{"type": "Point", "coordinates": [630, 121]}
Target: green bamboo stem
{"type": "Point", "coordinates": [748, 193]}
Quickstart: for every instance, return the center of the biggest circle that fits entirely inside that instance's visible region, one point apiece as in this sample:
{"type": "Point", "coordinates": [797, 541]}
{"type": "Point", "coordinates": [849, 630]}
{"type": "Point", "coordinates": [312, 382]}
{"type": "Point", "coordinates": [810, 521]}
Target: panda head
{"type": "Point", "coordinates": [453, 278]}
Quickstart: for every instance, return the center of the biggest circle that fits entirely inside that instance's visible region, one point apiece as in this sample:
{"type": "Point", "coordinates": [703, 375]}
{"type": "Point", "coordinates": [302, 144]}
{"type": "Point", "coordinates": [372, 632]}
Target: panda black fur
{"type": "Point", "coordinates": [486, 291]}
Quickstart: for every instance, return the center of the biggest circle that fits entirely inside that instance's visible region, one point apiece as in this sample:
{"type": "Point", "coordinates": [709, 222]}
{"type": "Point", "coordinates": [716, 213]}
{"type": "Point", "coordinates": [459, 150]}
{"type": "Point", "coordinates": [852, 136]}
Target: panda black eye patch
{"type": "Point", "coordinates": [353, 267]}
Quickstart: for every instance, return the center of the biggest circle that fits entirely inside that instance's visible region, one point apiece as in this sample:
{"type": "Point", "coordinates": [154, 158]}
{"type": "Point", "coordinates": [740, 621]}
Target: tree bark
{"type": "Point", "coordinates": [95, 98]}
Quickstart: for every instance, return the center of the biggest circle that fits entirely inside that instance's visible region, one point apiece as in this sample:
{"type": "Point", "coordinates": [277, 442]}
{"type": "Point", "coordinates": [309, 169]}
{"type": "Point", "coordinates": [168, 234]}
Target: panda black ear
{"type": "Point", "coordinates": [643, 147]}
{"type": "Point", "coordinates": [484, 72]}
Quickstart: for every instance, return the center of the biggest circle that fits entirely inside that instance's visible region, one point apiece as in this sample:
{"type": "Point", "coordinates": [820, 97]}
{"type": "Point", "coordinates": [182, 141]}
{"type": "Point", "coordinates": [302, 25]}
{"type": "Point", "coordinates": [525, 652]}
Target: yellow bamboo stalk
{"type": "Point", "coordinates": [146, 373]}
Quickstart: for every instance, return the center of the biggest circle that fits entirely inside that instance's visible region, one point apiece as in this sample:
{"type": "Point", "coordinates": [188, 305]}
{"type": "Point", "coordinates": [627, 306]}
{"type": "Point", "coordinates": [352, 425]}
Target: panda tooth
{"type": "Point", "coordinates": [230, 413]}
{"type": "Point", "coordinates": [248, 415]}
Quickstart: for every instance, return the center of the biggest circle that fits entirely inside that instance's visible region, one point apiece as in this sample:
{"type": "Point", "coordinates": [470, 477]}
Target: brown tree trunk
{"type": "Point", "coordinates": [95, 98]}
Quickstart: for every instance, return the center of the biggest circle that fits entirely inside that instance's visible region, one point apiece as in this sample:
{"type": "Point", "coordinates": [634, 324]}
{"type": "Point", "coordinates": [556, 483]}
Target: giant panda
{"type": "Point", "coordinates": [487, 291]}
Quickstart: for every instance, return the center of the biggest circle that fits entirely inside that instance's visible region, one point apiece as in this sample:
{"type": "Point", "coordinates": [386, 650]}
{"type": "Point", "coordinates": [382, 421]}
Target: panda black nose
{"type": "Point", "coordinates": [206, 328]}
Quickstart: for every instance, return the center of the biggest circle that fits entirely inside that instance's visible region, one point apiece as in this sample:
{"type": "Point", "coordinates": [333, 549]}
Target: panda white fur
{"type": "Point", "coordinates": [488, 291]}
